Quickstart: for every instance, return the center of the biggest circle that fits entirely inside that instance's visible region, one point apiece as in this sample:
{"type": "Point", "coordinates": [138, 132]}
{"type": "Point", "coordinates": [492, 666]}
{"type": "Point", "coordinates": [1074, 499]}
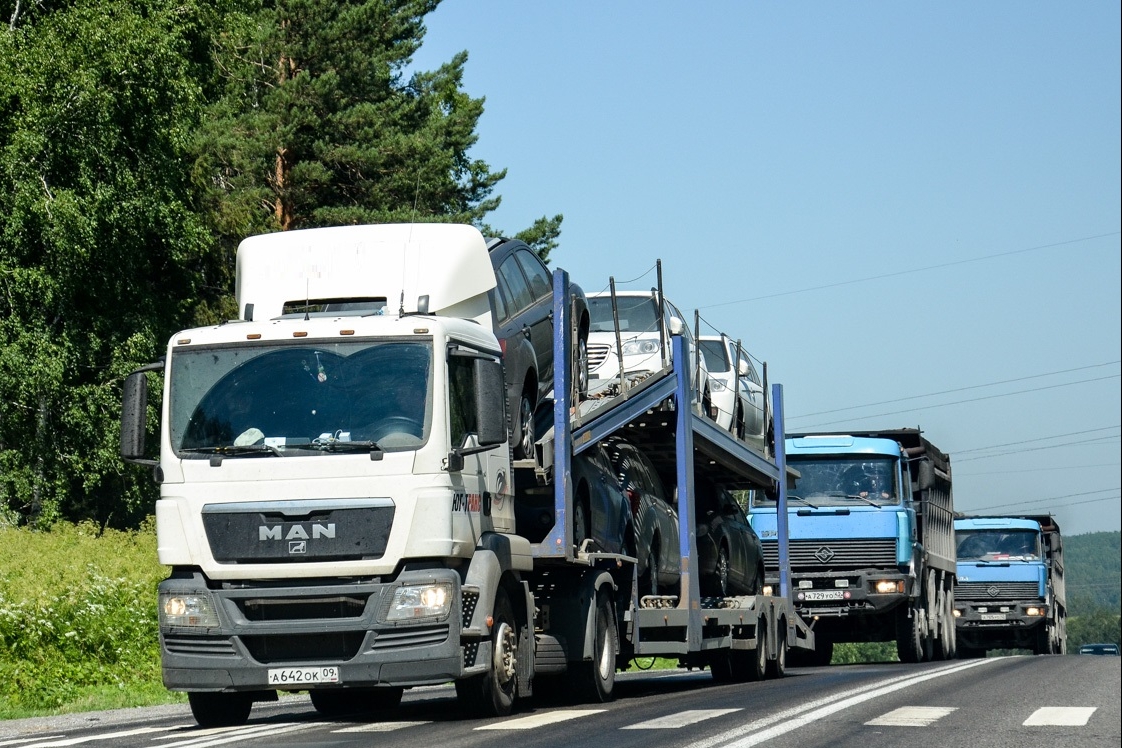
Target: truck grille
{"type": "Point", "coordinates": [829, 555]}
{"type": "Point", "coordinates": [986, 591]}
{"type": "Point", "coordinates": [301, 609]}
{"type": "Point", "coordinates": [340, 645]}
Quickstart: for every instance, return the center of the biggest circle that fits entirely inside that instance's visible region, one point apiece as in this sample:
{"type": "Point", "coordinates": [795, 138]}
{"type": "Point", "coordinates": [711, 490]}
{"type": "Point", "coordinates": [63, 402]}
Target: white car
{"type": "Point", "coordinates": [741, 406]}
{"type": "Point", "coordinates": [645, 345]}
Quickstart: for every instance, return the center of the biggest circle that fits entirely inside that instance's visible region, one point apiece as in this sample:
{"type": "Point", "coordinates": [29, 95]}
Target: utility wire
{"type": "Point", "coordinates": [1098, 439]}
{"type": "Point", "coordinates": [1053, 500]}
{"type": "Point", "coordinates": [958, 389]}
{"type": "Point", "coordinates": [959, 402]}
{"type": "Point", "coordinates": [1038, 439]}
{"type": "Point", "coordinates": [913, 270]}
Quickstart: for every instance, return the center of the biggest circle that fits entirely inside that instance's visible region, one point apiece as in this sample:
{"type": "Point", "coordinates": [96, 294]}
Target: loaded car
{"type": "Point", "coordinates": [644, 339]}
{"type": "Point", "coordinates": [601, 515]}
{"type": "Point", "coordinates": [730, 561]}
{"type": "Point", "coordinates": [737, 391]}
{"type": "Point", "coordinates": [522, 308]}
{"type": "Point", "coordinates": [657, 546]}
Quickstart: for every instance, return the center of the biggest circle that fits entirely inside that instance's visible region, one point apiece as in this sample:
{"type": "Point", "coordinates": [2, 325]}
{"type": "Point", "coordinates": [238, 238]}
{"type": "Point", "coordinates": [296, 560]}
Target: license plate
{"type": "Point", "coordinates": [299, 676]}
{"type": "Point", "coordinates": [993, 616]}
{"type": "Point", "coordinates": [823, 595]}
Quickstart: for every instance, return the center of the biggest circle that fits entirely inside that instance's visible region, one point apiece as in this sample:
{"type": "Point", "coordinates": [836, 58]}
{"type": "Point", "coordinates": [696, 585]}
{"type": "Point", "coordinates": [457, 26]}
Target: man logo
{"type": "Point", "coordinates": [298, 546]}
{"type": "Point", "coordinates": [295, 532]}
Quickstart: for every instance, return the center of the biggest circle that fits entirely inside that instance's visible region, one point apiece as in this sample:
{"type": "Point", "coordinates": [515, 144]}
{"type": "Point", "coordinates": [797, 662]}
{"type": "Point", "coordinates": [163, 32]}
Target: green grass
{"type": "Point", "coordinates": [78, 627]}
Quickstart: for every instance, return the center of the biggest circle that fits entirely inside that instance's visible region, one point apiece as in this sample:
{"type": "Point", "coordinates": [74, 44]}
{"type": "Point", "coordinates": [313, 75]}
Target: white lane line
{"type": "Point", "coordinates": [681, 719]}
{"type": "Point", "coordinates": [380, 727]}
{"type": "Point", "coordinates": [52, 742]}
{"type": "Point", "coordinates": [537, 720]}
{"type": "Point", "coordinates": [912, 716]}
{"type": "Point", "coordinates": [798, 716]}
{"type": "Point", "coordinates": [20, 741]}
{"type": "Point", "coordinates": [1066, 716]}
{"type": "Point", "coordinates": [239, 734]}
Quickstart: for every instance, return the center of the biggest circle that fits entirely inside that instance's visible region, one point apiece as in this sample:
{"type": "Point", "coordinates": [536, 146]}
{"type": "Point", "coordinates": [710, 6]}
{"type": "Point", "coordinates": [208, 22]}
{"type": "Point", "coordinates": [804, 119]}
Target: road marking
{"type": "Point", "coordinates": [1067, 716]}
{"type": "Point", "coordinates": [239, 734]}
{"type": "Point", "coordinates": [59, 741]}
{"type": "Point", "coordinates": [912, 716]}
{"type": "Point", "coordinates": [796, 717]}
{"type": "Point", "coordinates": [681, 719]}
{"type": "Point", "coordinates": [380, 727]}
{"type": "Point", "coordinates": [537, 720]}
{"type": "Point", "coordinates": [19, 741]}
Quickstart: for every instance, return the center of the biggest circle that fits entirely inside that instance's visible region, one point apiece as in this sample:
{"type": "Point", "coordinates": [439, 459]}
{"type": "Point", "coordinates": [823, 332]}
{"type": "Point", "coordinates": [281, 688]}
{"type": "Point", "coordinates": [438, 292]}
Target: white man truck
{"type": "Point", "coordinates": [871, 541]}
{"type": "Point", "coordinates": [1010, 592]}
{"type": "Point", "coordinates": [337, 495]}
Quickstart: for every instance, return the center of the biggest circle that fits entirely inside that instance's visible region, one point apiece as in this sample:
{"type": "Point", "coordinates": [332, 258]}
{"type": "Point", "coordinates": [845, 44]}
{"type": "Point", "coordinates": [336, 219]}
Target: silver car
{"type": "Point", "coordinates": [741, 407]}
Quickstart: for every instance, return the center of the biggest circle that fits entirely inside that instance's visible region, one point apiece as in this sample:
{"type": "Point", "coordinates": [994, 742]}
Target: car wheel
{"type": "Point", "coordinates": [718, 584]}
{"type": "Point", "coordinates": [524, 446]}
{"type": "Point", "coordinates": [581, 373]}
{"type": "Point", "coordinates": [580, 520]}
{"type": "Point", "coordinates": [648, 583]}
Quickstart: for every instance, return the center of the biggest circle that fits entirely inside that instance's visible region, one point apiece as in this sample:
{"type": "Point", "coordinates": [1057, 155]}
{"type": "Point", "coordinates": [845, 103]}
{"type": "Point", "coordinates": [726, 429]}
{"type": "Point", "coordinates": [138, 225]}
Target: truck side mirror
{"type": "Point", "coordinates": [490, 402]}
{"type": "Point", "coordinates": [925, 477]}
{"type": "Point", "coordinates": [134, 418]}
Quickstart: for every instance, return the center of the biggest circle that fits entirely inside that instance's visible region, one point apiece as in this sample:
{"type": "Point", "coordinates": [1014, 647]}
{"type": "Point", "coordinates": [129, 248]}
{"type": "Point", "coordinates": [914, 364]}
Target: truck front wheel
{"type": "Point", "coordinates": [493, 693]}
{"type": "Point", "coordinates": [220, 709]}
{"type": "Point", "coordinates": [912, 639]}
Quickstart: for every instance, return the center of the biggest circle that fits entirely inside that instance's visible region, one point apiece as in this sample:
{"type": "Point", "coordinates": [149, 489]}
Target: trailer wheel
{"type": "Point", "coordinates": [595, 680]}
{"type": "Point", "coordinates": [493, 693]}
{"type": "Point", "coordinates": [220, 709]}
{"type": "Point", "coordinates": [751, 665]}
{"type": "Point", "coordinates": [778, 667]}
{"type": "Point", "coordinates": [720, 667]}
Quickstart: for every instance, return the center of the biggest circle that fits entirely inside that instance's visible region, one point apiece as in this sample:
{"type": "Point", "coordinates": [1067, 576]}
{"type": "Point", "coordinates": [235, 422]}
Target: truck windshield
{"type": "Point", "coordinates": [301, 396]}
{"type": "Point", "coordinates": [866, 479]}
{"type": "Point", "coordinates": [997, 545]}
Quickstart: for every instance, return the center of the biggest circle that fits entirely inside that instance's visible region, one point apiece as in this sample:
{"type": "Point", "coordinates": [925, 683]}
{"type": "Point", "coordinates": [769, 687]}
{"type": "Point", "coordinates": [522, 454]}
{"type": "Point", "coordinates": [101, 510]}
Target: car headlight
{"type": "Point", "coordinates": [420, 601]}
{"type": "Point", "coordinates": [717, 385]}
{"type": "Point", "coordinates": [636, 347]}
{"type": "Point", "coordinates": [179, 609]}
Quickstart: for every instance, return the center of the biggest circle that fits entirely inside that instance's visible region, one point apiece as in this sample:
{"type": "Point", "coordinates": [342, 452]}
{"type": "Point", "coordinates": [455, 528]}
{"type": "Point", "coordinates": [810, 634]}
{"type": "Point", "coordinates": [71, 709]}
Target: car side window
{"type": "Point", "coordinates": [539, 277]}
{"type": "Point", "coordinates": [752, 375]}
{"type": "Point", "coordinates": [520, 295]}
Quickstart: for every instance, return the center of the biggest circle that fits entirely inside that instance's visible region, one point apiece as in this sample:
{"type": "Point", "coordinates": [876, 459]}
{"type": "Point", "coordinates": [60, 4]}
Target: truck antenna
{"type": "Point", "coordinates": [307, 299]}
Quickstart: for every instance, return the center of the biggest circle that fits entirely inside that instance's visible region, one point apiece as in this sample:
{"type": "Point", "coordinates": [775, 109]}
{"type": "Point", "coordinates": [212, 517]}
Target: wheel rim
{"type": "Point", "coordinates": [579, 535]}
{"type": "Point", "coordinates": [506, 645]}
{"type": "Point", "coordinates": [723, 571]}
{"type": "Point", "coordinates": [582, 367]}
{"type": "Point", "coordinates": [526, 427]}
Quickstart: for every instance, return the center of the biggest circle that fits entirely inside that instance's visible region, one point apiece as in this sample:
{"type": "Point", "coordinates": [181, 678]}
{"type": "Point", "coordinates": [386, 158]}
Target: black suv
{"type": "Point", "coordinates": [522, 307]}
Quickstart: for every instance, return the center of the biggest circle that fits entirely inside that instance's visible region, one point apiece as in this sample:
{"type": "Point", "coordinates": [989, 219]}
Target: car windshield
{"type": "Point", "coordinates": [863, 479]}
{"type": "Point", "coordinates": [636, 314]}
{"type": "Point", "coordinates": [303, 396]}
{"type": "Point", "coordinates": [716, 356]}
{"type": "Point", "coordinates": [997, 545]}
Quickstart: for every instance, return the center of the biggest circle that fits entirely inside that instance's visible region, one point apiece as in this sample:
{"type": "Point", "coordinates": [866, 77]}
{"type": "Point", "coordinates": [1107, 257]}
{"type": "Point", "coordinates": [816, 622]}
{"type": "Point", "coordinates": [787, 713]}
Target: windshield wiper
{"type": "Point", "coordinates": [866, 499]}
{"type": "Point", "coordinates": [802, 500]}
{"type": "Point", "coordinates": [238, 450]}
{"type": "Point", "coordinates": [336, 445]}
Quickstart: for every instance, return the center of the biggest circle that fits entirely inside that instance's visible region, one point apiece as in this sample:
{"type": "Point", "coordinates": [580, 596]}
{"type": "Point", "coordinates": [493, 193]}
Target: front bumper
{"type": "Point", "coordinates": [840, 594]}
{"type": "Point", "coordinates": [342, 625]}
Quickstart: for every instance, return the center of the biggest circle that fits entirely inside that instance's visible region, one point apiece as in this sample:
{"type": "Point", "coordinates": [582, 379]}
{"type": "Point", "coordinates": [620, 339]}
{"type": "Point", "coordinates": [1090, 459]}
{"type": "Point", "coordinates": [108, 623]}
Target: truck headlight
{"type": "Point", "coordinates": [1034, 611]}
{"type": "Point", "coordinates": [636, 347]}
{"type": "Point", "coordinates": [178, 609]}
{"type": "Point", "coordinates": [768, 590]}
{"type": "Point", "coordinates": [888, 586]}
{"type": "Point", "coordinates": [957, 613]}
{"type": "Point", "coordinates": [420, 601]}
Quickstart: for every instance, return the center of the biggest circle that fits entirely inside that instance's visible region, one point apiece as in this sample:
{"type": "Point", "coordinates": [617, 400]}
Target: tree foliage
{"type": "Point", "coordinates": [140, 141]}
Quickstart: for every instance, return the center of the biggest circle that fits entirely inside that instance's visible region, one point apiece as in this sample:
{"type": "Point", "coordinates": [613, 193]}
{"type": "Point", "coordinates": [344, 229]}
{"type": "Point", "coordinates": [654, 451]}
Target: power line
{"type": "Point", "coordinates": [1054, 499]}
{"type": "Point", "coordinates": [913, 270]}
{"type": "Point", "coordinates": [1037, 470]}
{"type": "Point", "coordinates": [1039, 449]}
{"type": "Point", "coordinates": [1038, 439]}
{"type": "Point", "coordinates": [959, 389]}
{"type": "Point", "coordinates": [970, 400]}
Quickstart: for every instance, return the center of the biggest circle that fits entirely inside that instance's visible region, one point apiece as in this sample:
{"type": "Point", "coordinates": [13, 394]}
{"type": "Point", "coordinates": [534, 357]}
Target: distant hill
{"type": "Point", "coordinates": [1092, 575]}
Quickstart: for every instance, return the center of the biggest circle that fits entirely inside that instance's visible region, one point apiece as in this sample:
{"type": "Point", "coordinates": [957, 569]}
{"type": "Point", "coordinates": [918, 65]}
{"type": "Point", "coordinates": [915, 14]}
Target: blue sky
{"type": "Point", "coordinates": [884, 201]}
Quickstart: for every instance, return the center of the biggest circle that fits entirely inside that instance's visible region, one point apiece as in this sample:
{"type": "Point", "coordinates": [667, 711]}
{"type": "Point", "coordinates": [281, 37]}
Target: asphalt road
{"type": "Point", "coordinates": [1004, 701]}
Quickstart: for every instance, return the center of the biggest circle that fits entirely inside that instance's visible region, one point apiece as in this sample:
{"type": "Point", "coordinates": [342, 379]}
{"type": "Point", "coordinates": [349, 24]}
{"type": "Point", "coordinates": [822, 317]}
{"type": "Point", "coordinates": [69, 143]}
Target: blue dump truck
{"type": "Point", "coordinates": [1009, 593]}
{"type": "Point", "coordinates": [870, 522]}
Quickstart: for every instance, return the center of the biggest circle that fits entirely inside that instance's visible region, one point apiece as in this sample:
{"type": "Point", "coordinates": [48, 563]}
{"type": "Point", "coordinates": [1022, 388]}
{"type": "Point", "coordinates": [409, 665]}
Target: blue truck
{"type": "Point", "coordinates": [1009, 592]}
{"type": "Point", "coordinates": [871, 541]}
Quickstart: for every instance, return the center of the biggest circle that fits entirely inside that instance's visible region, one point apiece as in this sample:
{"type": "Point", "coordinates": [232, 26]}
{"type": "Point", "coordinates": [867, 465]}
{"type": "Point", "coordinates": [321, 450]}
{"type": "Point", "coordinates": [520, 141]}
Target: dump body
{"type": "Point", "coordinates": [871, 540]}
{"type": "Point", "coordinates": [1009, 592]}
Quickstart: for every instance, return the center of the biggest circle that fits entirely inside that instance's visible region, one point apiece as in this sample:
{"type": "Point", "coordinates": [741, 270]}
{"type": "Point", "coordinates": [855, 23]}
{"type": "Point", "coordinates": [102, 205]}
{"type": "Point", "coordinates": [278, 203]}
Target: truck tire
{"type": "Point", "coordinates": [720, 667]}
{"type": "Point", "coordinates": [948, 636]}
{"type": "Point", "coordinates": [751, 664]}
{"type": "Point", "coordinates": [1043, 643]}
{"type": "Point", "coordinates": [777, 668]}
{"type": "Point", "coordinates": [493, 693]}
{"type": "Point", "coordinates": [220, 709]}
{"type": "Point", "coordinates": [911, 634]}
{"type": "Point", "coordinates": [595, 680]}
{"type": "Point", "coordinates": [338, 702]}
